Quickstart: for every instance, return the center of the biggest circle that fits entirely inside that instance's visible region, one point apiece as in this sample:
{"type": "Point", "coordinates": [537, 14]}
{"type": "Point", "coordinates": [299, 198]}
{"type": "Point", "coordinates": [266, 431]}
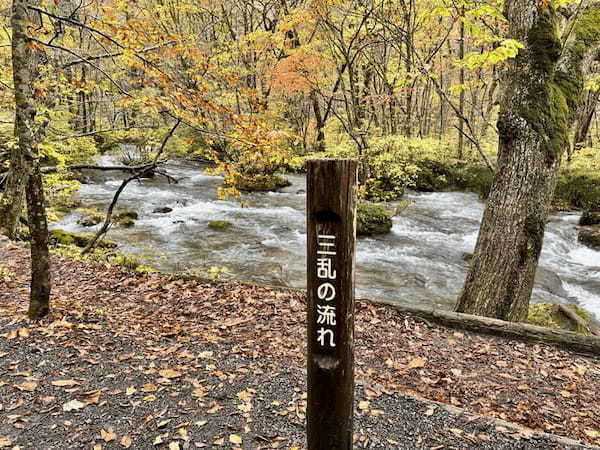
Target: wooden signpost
{"type": "Point", "coordinates": [331, 216]}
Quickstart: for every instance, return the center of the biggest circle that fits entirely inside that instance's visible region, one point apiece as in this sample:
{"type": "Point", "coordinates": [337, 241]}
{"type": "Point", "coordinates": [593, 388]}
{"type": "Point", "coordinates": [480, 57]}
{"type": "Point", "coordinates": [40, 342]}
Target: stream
{"type": "Point", "coordinates": [421, 261]}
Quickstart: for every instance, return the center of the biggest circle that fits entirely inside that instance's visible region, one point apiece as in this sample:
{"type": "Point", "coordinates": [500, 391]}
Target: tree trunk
{"type": "Point", "coordinates": [461, 100]}
{"type": "Point", "coordinates": [584, 120]}
{"type": "Point", "coordinates": [26, 135]}
{"type": "Point", "coordinates": [543, 87]}
{"type": "Point", "coordinates": [13, 199]}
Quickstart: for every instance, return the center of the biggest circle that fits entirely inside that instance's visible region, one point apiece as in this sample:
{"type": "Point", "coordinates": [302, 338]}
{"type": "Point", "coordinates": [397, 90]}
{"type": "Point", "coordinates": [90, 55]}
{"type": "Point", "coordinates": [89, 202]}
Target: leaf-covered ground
{"type": "Point", "coordinates": [141, 361]}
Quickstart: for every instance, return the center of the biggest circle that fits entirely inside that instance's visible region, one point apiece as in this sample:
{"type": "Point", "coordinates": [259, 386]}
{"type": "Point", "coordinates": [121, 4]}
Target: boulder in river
{"type": "Point", "coordinates": [590, 218]}
{"type": "Point", "coordinates": [219, 224]}
{"type": "Point", "coordinates": [90, 220]}
{"type": "Point", "coordinates": [125, 214]}
{"type": "Point", "coordinates": [261, 183]}
{"type": "Point", "coordinates": [372, 219]}
{"type": "Point", "coordinates": [162, 210]}
{"type": "Point", "coordinates": [125, 218]}
{"type": "Point", "coordinates": [590, 237]}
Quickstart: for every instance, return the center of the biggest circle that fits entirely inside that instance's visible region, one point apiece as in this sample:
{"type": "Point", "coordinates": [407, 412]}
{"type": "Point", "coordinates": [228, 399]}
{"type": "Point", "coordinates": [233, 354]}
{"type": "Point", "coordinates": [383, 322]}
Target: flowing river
{"type": "Point", "coordinates": [422, 260]}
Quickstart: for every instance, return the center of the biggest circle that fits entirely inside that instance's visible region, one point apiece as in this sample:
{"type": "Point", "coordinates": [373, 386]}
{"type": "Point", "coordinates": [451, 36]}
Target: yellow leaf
{"type": "Point", "coordinates": [235, 439]}
{"type": "Point", "coordinates": [126, 442]}
{"type": "Point", "coordinates": [363, 405]}
{"type": "Point", "coordinates": [5, 442]}
{"type": "Point", "coordinates": [592, 433]}
{"type": "Point", "coordinates": [174, 446]}
{"type": "Point", "coordinates": [130, 390]}
{"type": "Point", "coordinates": [108, 435]}
{"type": "Point", "coordinates": [149, 388]}
{"type": "Point", "coordinates": [169, 373]}
{"type": "Point", "coordinates": [416, 363]}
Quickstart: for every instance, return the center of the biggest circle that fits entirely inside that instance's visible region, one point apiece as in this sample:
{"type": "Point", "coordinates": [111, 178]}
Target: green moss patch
{"type": "Point", "coordinates": [90, 220]}
{"type": "Point", "coordinates": [219, 224]}
{"type": "Point", "coordinates": [62, 237]}
{"type": "Point", "coordinates": [260, 183]}
{"type": "Point", "coordinates": [372, 219]}
{"type": "Point", "coordinates": [549, 315]}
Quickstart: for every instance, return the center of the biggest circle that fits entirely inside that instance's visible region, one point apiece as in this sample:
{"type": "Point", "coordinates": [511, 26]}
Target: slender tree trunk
{"type": "Point", "coordinates": [13, 199]}
{"type": "Point", "coordinates": [542, 93]}
{"type": "Point", "coordinates": [461, 100]}
{"type": "Point", "coordinates": [27, 136]}
{"type": "Point", "coordinates": [584, 120]}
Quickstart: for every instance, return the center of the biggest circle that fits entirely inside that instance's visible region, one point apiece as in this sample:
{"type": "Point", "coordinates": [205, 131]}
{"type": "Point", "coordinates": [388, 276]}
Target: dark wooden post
{"type": "Point", "coordinates": [331, 216]}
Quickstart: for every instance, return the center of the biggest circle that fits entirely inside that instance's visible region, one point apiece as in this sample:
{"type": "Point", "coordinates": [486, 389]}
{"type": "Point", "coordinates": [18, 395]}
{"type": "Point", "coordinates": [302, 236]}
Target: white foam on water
{"type": "Point", "coordinates": [585, 298]}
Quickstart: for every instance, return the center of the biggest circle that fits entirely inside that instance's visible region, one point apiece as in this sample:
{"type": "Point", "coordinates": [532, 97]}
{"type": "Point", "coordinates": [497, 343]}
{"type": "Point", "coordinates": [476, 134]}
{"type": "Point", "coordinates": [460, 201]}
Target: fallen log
{"type": "Point", "coordinates": [572, 315]}
{"type": "Point", "coordinates": [529, 333]}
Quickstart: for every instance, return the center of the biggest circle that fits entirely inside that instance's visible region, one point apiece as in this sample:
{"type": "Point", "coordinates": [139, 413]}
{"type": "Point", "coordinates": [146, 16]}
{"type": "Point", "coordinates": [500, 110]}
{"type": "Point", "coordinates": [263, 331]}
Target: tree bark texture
{"type": "Point", "coordinates": [542, 93]}
{"type": "Point", "coordinates": [27, 143]}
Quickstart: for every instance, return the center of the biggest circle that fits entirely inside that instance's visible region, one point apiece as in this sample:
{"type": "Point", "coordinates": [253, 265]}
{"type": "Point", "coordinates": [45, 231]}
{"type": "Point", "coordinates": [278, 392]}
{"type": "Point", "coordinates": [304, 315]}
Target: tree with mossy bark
{"type": "Point", "coordinates": [542, 95]}
{"type": "Point", "coordinates": [25, 159]}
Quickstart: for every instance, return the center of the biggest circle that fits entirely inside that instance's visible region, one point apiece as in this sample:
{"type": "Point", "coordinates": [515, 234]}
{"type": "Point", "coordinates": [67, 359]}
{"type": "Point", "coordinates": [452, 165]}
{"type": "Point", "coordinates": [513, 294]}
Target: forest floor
{"type": "Point", "coordinates": [129, 360]}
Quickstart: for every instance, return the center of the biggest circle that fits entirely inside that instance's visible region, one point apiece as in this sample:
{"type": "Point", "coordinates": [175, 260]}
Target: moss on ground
{"type": "Point", "coordinates": [549, 315]}
{"type": "Point", "coordinates": [62, 237]}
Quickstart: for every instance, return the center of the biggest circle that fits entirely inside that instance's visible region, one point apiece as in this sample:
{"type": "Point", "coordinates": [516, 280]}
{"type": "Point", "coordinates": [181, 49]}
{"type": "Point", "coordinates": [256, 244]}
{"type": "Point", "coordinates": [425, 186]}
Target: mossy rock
{"type": "Point", "coordinates": [372, 219]}
{"type": "Point", "coordinates": [549, 315]}
{"type": "Point", "coordinates": [62, 237]}
{"type": "Point", "coordinates": [162, 210]}
{"type": "Point", "coordinates": [590, 237]}
{"type": "Point", "coordinates": [127, 222]}
{"type": "Point", "coordinates": [579, 190]}
{"type": "Point", "coordinates": [125, 218]}
{"type": "Point", "coordinates": [126, 214]}
{"type": "Point", "coordinates": [90, 220]}
{"type": "Point", "coordinates": [590, 218]}
{"type": "Point", "coordinates": [219, 224]}
{"type": "Point", "coordinates": [261, 183]}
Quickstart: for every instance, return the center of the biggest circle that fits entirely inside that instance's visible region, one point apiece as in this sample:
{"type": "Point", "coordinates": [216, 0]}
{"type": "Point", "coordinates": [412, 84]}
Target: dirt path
{"type": "Point", "coordinates": [129, 360]}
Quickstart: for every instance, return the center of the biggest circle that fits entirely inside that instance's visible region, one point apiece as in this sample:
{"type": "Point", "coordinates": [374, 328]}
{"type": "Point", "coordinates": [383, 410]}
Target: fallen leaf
{"type": "Point", "coordinates": [108, 435]}
{"type": "Point", "coordinates": [169, 373]}
{"type": "Point", "coordinates": [416, 363]}
{"type": "Point", "coordinates": [27, 386]}
{"type": "Point", "coordinates": [64, 383]}
{"type": "Point", "coordinates": [126, 442]}
{"type": "Point", "coordinates": [73, 405]}
{"type": "Point", "coordinates": [174, 446]}
{"type": "Point", "coordinates": [235, 439]}
{"type": "Point", "coordinates": [149, 388]}
{"type": "Point", "coordinates": [5, 442]}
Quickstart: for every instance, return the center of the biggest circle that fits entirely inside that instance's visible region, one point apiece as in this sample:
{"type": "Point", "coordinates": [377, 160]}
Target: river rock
{"type": "Point", "coordinates": [219, 224]}
{"type": "Point", "coordinates": [590, 218]}
{"type": "Point", "coordinates": [590, 237]}
{"type": "Point", "coordinates": [125, 214]}
{"type": "Point", "coordinates": [162, 210]}
{"type": "Point", "coordinates": [372, 219]}
{"type": "Point", "coordinates": [90, 220]}
{"type": "Point", "coordinates": [550, 282]}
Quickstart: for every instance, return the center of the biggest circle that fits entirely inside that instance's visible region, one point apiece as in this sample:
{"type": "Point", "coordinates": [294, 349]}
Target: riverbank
{"type": "Point", "coordinates": [422, 260]}
{"type": "Point", "coordinates": [165, 342]}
